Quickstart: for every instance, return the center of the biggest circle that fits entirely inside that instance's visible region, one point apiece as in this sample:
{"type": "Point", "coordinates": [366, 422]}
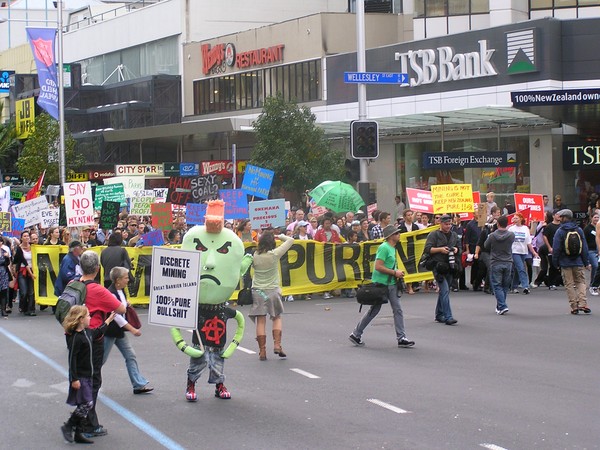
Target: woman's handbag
{"type": "Point", "coordinates": [372, 294]}
{"type": "Point", "coordinates": [132, 317]}
{"type": "Point", "coordinates": [245, 297]}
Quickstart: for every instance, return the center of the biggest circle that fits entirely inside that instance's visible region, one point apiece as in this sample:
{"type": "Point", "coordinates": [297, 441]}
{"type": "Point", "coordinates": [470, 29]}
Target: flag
{"type": "Point", "coordinates": [36, 190]}
{"type": "Point", "coordinates": [42, 46]}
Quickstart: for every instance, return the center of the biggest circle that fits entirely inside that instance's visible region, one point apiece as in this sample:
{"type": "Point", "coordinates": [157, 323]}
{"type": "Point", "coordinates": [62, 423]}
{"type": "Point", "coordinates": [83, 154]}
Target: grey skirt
{"type": "Point", "coordinates": [266, 301]}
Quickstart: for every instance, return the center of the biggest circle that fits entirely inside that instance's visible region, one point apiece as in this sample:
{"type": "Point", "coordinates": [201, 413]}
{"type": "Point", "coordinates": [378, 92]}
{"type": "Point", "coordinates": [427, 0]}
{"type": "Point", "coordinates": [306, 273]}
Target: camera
{"type": "Point", "coordinates": [451, 258]}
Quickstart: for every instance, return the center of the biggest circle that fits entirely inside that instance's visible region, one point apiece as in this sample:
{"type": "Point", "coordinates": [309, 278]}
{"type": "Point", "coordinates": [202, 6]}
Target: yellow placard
{"type": "Point", "coordinates": [452, 198]}
{"type": "Point", "coordinates": [307, 267]}
{"type": "Point", "coordinates": [25, 117]}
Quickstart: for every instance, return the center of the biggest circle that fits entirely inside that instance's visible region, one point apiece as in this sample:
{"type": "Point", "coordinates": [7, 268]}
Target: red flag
{"type": "Point", "coordinates": [36, 190]}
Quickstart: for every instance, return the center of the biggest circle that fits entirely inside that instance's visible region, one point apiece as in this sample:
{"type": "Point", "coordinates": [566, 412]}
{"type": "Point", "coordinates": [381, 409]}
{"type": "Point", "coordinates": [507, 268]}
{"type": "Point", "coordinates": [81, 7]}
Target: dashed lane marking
{"type": "Point", "coordinates": [492, 446]}
{"type": "Point", "coordinates": [305, 373]}
{"type": "Point", "coordinates": [246, 350]}
{"type": "Point", "coordinates": [388, 406]}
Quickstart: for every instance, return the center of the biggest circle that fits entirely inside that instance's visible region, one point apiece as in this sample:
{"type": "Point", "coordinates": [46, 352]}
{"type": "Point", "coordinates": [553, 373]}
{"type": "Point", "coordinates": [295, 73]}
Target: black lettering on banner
{"type": "Point", "coordinates": [143, 268]}
{"type": "Point", "coordinates": [409, 259]}
{"type": "Point", "coordinates": [368, 257]}
{"type": "Point", "coordinates": [352, 261]}
{"type": "Point", "coordinates": [286, 266]}
{"type": "Point", "coordinates": [45, 270]}
{"type": "Point", "coordinates": [327, 263]}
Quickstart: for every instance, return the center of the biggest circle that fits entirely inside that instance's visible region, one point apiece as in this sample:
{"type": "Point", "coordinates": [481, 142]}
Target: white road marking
{"type": "Point", "coordinates": [492, 446]}
{"type": "Point", "coordinates": [246, 350]}
{"type": "Point", "coordinates": [388, 406]}
{"type": "Point", "coordinates": [23, 383]}
{"type": "Point", "coordinates": [305, 373]}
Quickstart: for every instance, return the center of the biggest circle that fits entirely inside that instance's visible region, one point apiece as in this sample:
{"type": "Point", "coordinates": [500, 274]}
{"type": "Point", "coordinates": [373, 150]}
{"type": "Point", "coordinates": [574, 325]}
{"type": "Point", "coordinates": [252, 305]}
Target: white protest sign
{"type": "Point", "coordinates": [30, 210]}
{"type": "Point", "coordinates": [49, 217]}
{"type": "Point", "coordinates": [267, 213]}
{"type": "Point", "coordinates": [5, 198]}
{"type": "Point", "coordinates": [140, 206]}
{"type": "Point", "coordinates": [130, 184]}
{"type": "Point", "coordinates": [174, 288]}
{"type": "Point", "coordinates": [79, 207]}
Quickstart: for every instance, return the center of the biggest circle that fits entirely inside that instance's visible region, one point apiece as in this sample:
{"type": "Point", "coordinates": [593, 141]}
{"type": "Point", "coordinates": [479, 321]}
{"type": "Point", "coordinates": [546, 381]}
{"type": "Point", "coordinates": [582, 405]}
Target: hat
{"type": "Point", "coordinates": [389, 231]}
{"type": "Point", "coordinates": [74, 244]}
{"type": "Point", "coordinates": [87, 227]}
{"type": "Point", "coordinates": [355, 222]}
{"type": "Point", "coordinates": [446, 218]}
{"type": "Point", "coordinates": [565, 213]}
{"type": "Point", "coordinates": [302, 223]}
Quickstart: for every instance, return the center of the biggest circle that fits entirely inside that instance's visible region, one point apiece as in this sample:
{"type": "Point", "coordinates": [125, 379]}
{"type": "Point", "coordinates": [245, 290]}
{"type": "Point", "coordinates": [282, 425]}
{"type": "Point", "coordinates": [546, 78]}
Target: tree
{"type": "Point", "coordinates": [8, 145]}
{"type": "Point", "coordinates": [289, 143]}
{"type": "Point", "coordinates": [40, 152]}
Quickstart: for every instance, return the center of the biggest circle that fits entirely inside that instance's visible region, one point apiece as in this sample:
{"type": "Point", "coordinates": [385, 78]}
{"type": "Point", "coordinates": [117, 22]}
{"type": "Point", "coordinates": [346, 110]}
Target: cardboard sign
{"type": "Point", "coordinates": [17, 226]}
{"type": "Point", "coordinates": [481, 214]}
{"type": "Point", "coordinates": [153, 238]}
{"type": "Point", "coordinates": [49, 217]}
{"type": "Point", "coordinates": [5, 198]}
{"type": "Point", "coordinates": [469, 215]}
{"type": "Point", "coordinates": [419, 200]}
{"type": "Point", "coordinates": [195, 212]}
{"type": "Point", "coordinates": [78, 204]}
{"type": "Point", "coordinates": [130, 184]}
{"type": "Point", "coordinates": [140, 206]}
{"type": "Point", "coordinates": [452, 198]}
{"type": "Point", "coordinates": [109, 215]}
{"type": "Point", "coordinates": [161, 215]}
{"type": "Point", "coordinates": [236, 203]}
{"type": "Point", "coordinates": [317, 211]}
{"type": "Point", "coordinates": [204, 188]}
{"type": "Point", "coordinates": [175, 287]}
{"type": "Point", "coordinates": [180, 190]}
{"type": "Point", "coordinates": [535, 203]}
{"type": "Point", "coordinates": [257, 181]}
{"type": "Point", "coordinates": [370, 208]}
{"type": "Point", "coordinates": [267, 213]}
{"type": "Point", "coordinates": [110, 193]}
{"type": "Point", "coordinates": [30, 210]}
{"type": "Point", "coordinates": [5, 222]}
{"type": "Point", "coordinates": [160, 194]}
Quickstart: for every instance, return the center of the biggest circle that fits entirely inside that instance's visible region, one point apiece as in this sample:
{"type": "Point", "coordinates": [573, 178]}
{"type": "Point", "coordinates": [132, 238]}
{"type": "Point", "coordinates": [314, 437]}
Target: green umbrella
{"type": "Point", "coordinates": [337, 196]}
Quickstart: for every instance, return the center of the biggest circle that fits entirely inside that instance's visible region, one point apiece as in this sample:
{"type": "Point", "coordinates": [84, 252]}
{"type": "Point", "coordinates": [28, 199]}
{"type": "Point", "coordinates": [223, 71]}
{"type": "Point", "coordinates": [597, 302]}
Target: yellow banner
{"type": "Point", "coordinates": [452, 198]}
{"type": "Point", "coordinates": [24, 117]}
{"type": "Point", "coordinates": [307, 267]}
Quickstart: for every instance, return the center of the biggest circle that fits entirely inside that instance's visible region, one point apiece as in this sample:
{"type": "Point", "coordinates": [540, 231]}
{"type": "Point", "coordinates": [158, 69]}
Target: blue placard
{"type": "Point", "coordinates": [17, 226]}
{"type": "Point", "coordinates": [189, 169]}
{"type": "Point", "coordinates": [194, 213]}
{"type": "Point", "coordinates": [236, 203]}
{"type": "Point", "coordinates": [257, 181]}
{"type": "Point", "coordinates": [153, 238]}
{"type": "Point", "coordinates": [375, 78]}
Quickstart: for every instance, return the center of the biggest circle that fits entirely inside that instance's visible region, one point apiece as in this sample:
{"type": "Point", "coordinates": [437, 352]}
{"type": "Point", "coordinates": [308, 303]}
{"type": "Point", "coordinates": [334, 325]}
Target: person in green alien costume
{"type": "Point", "coordinates": [223, 263]}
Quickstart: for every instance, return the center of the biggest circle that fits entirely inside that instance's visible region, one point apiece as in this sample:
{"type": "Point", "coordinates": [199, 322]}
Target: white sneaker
{"type": "Point", "coordinates": [289, 298]}
{"type": "Point", "coordinates": [327, 295]}
{"type": "Point", "coordinates": [533, 285]}
{"type": "Point", "coordinates": [594, 291]}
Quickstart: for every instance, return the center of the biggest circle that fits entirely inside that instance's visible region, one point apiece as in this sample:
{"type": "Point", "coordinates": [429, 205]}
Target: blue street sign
{"type": "Point", "coordinates": [375, 78]}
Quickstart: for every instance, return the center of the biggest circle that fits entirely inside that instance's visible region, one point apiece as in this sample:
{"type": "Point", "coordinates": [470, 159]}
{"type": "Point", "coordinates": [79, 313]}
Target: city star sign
{"type": "Point", "coordinates": [443, 64]}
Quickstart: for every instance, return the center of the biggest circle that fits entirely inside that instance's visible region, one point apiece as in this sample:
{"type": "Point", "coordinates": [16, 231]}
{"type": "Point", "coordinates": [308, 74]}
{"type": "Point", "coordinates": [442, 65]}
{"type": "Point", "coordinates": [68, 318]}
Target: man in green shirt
{"type": "Point", "coordinates": [385, 273]}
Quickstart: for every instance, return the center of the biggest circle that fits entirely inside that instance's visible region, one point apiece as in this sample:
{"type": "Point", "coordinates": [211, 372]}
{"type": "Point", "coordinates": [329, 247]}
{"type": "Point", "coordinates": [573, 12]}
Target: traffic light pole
{"type": "Point", "coordinates": [361, 66]}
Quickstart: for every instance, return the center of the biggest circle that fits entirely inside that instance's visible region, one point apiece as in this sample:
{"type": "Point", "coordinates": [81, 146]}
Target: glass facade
{"type": "Point", "coordinates": [558, 4]}
{"type": "Point", "coordinates": [299, 82]}
{"type": "Point", "coordinates": [444, 8]}
{"type": "Point", "coordinates": [504, 181]}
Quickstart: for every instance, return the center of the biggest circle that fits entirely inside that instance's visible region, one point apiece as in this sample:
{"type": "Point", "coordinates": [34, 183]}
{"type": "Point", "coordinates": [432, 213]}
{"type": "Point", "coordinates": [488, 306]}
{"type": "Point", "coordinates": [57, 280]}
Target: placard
{"type": "Point", "coordinates": [78, 204]}
{"type": "Point", "coordinates": [470, 215]}
{"type": "Point", "coordinates": [130, 184]}
{"type": "Point", "coordinates": [180, 190]}
{"type": "Point", "coordinates": [236, 203]}
{"type": "Point", "coordinates": [257, 181]}
{"type": "Point", "coordinates": [204, 188]}
{"type": "Point", "coordinates": [535, 203]}
{"type": "Point", "coordinates": [109, 215]}
{"type": "Point", "coordinates": [140, 206]}
{"type": "Point", "coordinates": [110, 193]}
{"type": "Point", "coordinates": [452, 198]}
{"type": "Point", "coordinates": [267, 213]}
{"type": "Point", "coordinates": [194, 213]}
{"type": "Point", "coordinates": [161, 215]}
{"type": "Point", "coordinates": [174, 288]}
{"type": "Point", "coordinates": [419, 200]}
{"type": "Point", "coordinates": [5, 198]}
{"type": "Point", "coordinates": [5, 222]}
{"type": "Point", "coordinates": [153, 238]}
{"type": "Point", "coordinates": [49, 217]}
{"type": "Point", "coordinates": [30, 210]}
{"type": "Point", "coordinates": [17, 226]}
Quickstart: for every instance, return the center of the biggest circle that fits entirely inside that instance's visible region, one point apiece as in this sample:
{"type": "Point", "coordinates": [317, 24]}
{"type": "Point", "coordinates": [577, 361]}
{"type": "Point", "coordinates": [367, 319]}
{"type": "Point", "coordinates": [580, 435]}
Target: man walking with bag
{"type": "Point", "coordinates": [385, 273]}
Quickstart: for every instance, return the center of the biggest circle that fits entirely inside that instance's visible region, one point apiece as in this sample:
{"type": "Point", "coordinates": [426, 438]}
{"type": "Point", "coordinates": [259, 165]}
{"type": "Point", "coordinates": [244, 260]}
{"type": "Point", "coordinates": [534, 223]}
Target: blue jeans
{"type": "Point", "coordinates": [443, 311]}
{"type": "Point", "coordinates": [211, 359]}
{"type": "Point", "coordinates": [520, 270]}
{"type": "Point", "coordinates": [137, 379]}
{"type": "Point", "coordinates": [501, 277]}
{"type": "Point", "coordinates": [593, 257]}
{"type": "Point", "coordinates": [394, 302]}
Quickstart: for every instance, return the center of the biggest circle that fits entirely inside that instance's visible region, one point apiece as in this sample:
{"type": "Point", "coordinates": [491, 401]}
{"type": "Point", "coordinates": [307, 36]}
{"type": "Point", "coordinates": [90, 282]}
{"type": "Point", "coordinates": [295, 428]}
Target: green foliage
{"type": "Point", "coordinates": [289, 143]}
{"type": "Point", "coordinates": [8, 146]}
{"type": "Point", "coordinates": [42, 142]}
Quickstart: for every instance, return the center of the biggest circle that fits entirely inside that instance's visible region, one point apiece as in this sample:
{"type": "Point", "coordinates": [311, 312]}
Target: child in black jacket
{"type": "Point", "coordinates": [81, 369]}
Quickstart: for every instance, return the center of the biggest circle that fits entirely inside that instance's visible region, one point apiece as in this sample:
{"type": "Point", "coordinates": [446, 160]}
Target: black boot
{"type": "Point", "coordinates": [80, 438]}
{"type": "Point", "coordinates": [67, 430]}
{"type": "Point", "coordinates": [3, 295]}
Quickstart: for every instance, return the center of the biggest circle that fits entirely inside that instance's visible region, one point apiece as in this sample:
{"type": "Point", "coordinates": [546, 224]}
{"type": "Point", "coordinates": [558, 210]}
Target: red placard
{"type": "Point", "coordinates": [161, 215]}
{"type": "Point", "coordinates": [534, 202]}
{"type": "Point", "coordinates": [526, 213]}
{"type": "Point", "coordinates": [419, 200]}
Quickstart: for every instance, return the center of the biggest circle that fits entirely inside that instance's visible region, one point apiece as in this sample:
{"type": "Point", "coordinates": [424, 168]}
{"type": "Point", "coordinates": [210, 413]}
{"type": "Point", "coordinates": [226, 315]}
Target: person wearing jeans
{"type": "Point", "coordinates": [500, 245]}
{"type": "Point", "coordinates": [590, 237]}
{"type": "Point", "coordinates": [521, 244]}
{"type": "Point", "coordinates": [385, 273]}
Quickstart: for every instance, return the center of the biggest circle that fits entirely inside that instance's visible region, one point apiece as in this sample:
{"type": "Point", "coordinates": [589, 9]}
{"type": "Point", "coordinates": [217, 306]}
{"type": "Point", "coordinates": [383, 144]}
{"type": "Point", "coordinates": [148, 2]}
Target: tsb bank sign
{"type": "Point", "coordinates": [444, 64]}
{"type": "Point", "coordinates": [581, 155]}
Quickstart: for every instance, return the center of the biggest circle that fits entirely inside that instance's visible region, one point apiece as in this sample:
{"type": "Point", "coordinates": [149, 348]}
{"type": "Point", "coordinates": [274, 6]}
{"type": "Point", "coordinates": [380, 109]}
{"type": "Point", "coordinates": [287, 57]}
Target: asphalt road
{"type": "Point", "coordinates": [527, 380]}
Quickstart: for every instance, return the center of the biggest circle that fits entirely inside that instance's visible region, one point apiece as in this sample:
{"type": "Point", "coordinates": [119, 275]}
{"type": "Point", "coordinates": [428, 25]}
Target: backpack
{"type": "Point", "coordinates": [74, 294]}
{"type": "Point", "coordinates": [573, 244]}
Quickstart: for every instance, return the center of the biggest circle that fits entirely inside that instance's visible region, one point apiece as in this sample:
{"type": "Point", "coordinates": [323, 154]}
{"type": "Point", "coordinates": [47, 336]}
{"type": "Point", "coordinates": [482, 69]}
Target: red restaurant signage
{"type": "Point", "coordinates": [222, 54]}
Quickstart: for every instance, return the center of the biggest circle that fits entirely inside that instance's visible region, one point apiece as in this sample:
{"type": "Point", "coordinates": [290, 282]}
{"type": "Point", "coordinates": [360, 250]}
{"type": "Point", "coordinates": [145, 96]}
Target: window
{"type": "Point", "coordinates": [444, 8]}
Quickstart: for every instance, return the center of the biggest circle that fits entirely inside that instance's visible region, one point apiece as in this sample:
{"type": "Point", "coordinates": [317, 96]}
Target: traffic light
{"type": "Point", "coordinates": [364, 139]}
